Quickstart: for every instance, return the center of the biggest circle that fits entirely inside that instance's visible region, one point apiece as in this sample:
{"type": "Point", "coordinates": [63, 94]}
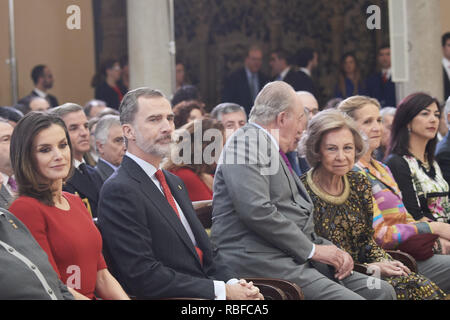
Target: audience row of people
{"type": "Point", "coordinates": [309, 227]}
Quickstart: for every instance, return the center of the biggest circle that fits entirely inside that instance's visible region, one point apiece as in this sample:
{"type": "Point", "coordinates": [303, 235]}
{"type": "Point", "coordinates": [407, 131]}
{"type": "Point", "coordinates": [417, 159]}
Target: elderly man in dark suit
{"type": "Point", "coordinates": [156, 245]}
{"type": "Point", "coordinates": [110, 145]}
{"type": "Point", "coordinates": [43, 81]}
{"type": "Point", "coordinates": [443, 147]}
{"type": "Point", "coordinates": [85, 181]}
{"type": "Point", "coordinates": [262, 214]}
{"type": "Point", "coordinates": [243, 85]}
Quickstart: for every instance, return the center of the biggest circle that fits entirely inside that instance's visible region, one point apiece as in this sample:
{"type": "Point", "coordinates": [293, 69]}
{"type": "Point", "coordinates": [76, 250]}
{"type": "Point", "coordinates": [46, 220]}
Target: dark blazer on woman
{"type": "Point", "coordinates": [105, 93]}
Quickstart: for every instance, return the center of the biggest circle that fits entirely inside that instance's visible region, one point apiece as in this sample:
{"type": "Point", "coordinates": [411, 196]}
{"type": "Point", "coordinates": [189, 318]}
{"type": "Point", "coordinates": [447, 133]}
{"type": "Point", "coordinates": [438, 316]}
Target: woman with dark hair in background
{"type": "Point", "coordinates": [198, 176]}
{"type": "Point", "coordinates": [41, 156]}
{"type": "Point", "coordinates": [186, 112]}
{"type": "Point", "coordinates": [105, 83]}
{"type": "Point", "coordinates": [411, 158]}
{"type": "Point", "coordinates": [350, 81]}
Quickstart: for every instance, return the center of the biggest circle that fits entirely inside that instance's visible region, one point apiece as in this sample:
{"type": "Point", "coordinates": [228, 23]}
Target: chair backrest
{"type": "Point", "coordinates": [204, 212]}
{"type": "Point", "coordinates": [291, 290]}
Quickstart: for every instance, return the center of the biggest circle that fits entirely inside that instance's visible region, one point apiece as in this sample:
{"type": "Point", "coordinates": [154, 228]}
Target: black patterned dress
{"type": "Point", "coordinates": [346, 221]}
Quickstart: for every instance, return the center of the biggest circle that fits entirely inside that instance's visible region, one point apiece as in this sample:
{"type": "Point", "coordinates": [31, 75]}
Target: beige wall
{"type": "Point", "coordinates": [42, 37]}
{"type": "Point", "coordinates": [445, 21]}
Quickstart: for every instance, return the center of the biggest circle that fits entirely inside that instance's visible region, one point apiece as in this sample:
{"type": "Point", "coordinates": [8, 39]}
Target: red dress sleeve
{"type": "Point", "coordinates": [196, 188]}
{"type": "Point", "coordinates": [29, 211]}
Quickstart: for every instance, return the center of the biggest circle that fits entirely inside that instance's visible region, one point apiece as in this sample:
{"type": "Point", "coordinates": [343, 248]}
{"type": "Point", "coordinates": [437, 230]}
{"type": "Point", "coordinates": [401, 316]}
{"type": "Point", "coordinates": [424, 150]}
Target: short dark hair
{"type": "Point", "coordinates": [183, 110]}
{"type": "Point", "coordinates": [37, 72]}
{"type": "Point", "coordinates": [282, 55]}
{"type": "Point", "coordinates": [384, 46]}
{"type": "Point", "coordinates": [304, 56]}
{"type": "Point", "coordinates": [407, 110]}
{"type": "Point", "coordinates": [21, 153]}
{"type": "Point", "coordinates": [445, 38]}
{"type": "Point", "coordinates": [185, 93]}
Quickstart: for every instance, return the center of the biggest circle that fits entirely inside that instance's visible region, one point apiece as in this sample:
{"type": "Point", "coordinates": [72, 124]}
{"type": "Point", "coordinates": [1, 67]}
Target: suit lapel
{"type": "Point", "coordinates": [83, 185]}
{"type": "Point", "coordinates": [152, 192]}
{"type": "Point", "coordinates": [6, 196]}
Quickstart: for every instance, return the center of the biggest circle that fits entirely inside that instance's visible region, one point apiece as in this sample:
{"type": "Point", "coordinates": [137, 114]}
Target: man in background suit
{"type": "Point", "coordinates": [443, 147]}
{"type": "Point", "coordinates": [265, 225]}
{"type": "Point", "coordinates": [242, 86]}
{"type": "Point", "coordinates": [380, 85]}
{"type": "Point", "coordinates": [85, 181]}
{"type": "Point", "coordinates": [43, 81]}
{"type": "Point", "coordinates": [446, 63]}
{"type": "Point", "coordinates": [282, 70]}
{"type": "Point", "coordinates": [308, 60]}
{"type": "Point", "coordinates": [8, 187]}
{"type": "Point", "coordinates": [156, 245]}
{"type": "Point", "coordinates": [110, 145]}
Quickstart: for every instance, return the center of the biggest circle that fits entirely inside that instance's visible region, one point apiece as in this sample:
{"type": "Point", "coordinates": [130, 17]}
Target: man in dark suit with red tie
{"type": "Point", "coordinates": [155, 244]}
{"type": "Point", "coordinates": [380, 85]}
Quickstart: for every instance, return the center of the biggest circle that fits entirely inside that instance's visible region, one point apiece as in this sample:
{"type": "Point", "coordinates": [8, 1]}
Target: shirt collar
{"type": "Point", "coordinates": [268, 133]}
{"type": "Point", "coordinates": [445, 62]}
{"type": "Point", "coordinates": [306, 71]}
{"type": "Point", "coordinates": [77, 163]}
{"type": "Point", "coordinates": [109, 164]}
{"type": "Point", "coordinates": [40, 93]}
{"type": "Point", "coordinates": [149, 169]}
{"type": "Point", "coordinates": [284, 72]}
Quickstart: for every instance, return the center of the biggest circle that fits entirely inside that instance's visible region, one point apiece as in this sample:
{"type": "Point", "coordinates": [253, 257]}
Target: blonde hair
{"type": "Point", "coordinates": [350, 105]}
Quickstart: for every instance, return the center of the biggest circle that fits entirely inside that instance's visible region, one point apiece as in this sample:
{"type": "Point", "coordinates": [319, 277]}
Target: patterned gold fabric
{"type": "Point", "coordinates": [348, 224]}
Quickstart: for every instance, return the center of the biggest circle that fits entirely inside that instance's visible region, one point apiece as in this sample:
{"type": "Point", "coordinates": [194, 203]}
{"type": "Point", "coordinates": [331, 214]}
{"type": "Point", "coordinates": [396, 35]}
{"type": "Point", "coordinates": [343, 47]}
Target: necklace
{"type": "Point", "coordinates": [321, 193]}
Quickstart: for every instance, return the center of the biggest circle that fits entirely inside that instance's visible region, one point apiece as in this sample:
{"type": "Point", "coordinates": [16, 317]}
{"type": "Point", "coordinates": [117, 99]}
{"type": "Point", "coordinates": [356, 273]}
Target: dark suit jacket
{"type": "Point", "coordinates": [149, 250]}
{"type": "Point", "coordinates": [443, 156]}
{"type": "Point", "coordinates": [446, 85]}
{"type": "Point", "coordinates": [51, 99]}
{"type": "Point", "coordinates": [300, 81]}
{"type": "Point", "coordinates": [87, 187]}
{"type": "Point", "coordinates": [237, 89]}
{"type": "Point", "coordinates": [103, 169]}
{"type": "Point", "coordinates": [383, 92]}
{"type": "Point", "coordinates": [105, 93]}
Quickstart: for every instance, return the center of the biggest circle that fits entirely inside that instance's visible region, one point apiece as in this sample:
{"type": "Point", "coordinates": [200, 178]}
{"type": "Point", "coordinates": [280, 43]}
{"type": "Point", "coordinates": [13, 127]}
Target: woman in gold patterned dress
{"type": "Point", "coordinates": [343, 208]}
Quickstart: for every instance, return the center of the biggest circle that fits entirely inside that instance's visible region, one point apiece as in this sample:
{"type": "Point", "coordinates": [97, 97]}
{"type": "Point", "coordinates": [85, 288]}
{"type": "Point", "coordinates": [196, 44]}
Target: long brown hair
{"type": "Point", "coordinates": [22, 160]}
{"type": "Point", "coordinates": [356, 82]}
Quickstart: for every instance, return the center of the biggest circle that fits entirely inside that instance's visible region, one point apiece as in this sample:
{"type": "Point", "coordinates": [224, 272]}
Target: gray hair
{"type": "Point", "coordinates": [387, 111]}
{"type": "Point", "coordinates": [65, 109]}
{"type": "Point", "coordinates": [274, 98]}
{"type": "Point", "coordinates": [226, 108]}
{"type": "Point", "coordinates": [447, 111]}
{"type": "Point", "coordinates": [322, 123]}
{"type": "Point", "coordinates": [103, 126]}
{"type": "Point", "coordinates": [129, 106]}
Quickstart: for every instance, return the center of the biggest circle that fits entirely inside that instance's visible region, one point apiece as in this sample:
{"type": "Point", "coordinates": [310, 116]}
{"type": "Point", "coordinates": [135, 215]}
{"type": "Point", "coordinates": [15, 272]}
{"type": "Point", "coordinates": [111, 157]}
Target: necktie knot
{"type": "Point", "coordinates": [82, 168]}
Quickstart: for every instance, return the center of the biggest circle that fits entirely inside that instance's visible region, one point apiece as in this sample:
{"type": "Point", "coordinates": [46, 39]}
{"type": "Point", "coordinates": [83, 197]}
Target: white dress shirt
{"type": "Point", "coordinates": [446, 64]}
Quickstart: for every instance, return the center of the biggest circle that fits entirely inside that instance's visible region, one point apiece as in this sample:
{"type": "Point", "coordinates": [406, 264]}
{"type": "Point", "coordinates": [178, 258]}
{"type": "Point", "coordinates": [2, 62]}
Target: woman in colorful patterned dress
{"type": "Point", "coordinates": [392, 223]}
{"type": "Point", "coordinates": [343, 207]}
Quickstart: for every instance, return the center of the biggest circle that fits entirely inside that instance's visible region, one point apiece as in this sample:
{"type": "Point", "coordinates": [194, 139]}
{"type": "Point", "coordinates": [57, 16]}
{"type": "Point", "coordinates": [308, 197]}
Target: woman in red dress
{"type": "Point", "coordinates": [41, 155]}
{"type": "Point", "coordinates": [194, 159]}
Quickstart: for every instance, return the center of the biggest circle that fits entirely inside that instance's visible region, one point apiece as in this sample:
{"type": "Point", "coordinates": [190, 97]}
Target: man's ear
{"type": "Point", "coordinates": [129, 132]}
{"type": "Point", "coordinates": [281, 118]}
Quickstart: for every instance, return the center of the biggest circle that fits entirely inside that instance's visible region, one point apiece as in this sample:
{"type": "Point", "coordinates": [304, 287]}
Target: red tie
{"type": "Point", "coordinates": [385, 79]}
{"type": "Point", "coordinates": [168, 194]}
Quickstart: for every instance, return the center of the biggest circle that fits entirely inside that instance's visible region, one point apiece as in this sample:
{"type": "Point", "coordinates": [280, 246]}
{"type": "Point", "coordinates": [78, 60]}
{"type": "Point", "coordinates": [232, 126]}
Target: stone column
{"type": "Point", "coordinates": [425, 51]}
{"type": "Point", "coordinates": [149, 36]}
